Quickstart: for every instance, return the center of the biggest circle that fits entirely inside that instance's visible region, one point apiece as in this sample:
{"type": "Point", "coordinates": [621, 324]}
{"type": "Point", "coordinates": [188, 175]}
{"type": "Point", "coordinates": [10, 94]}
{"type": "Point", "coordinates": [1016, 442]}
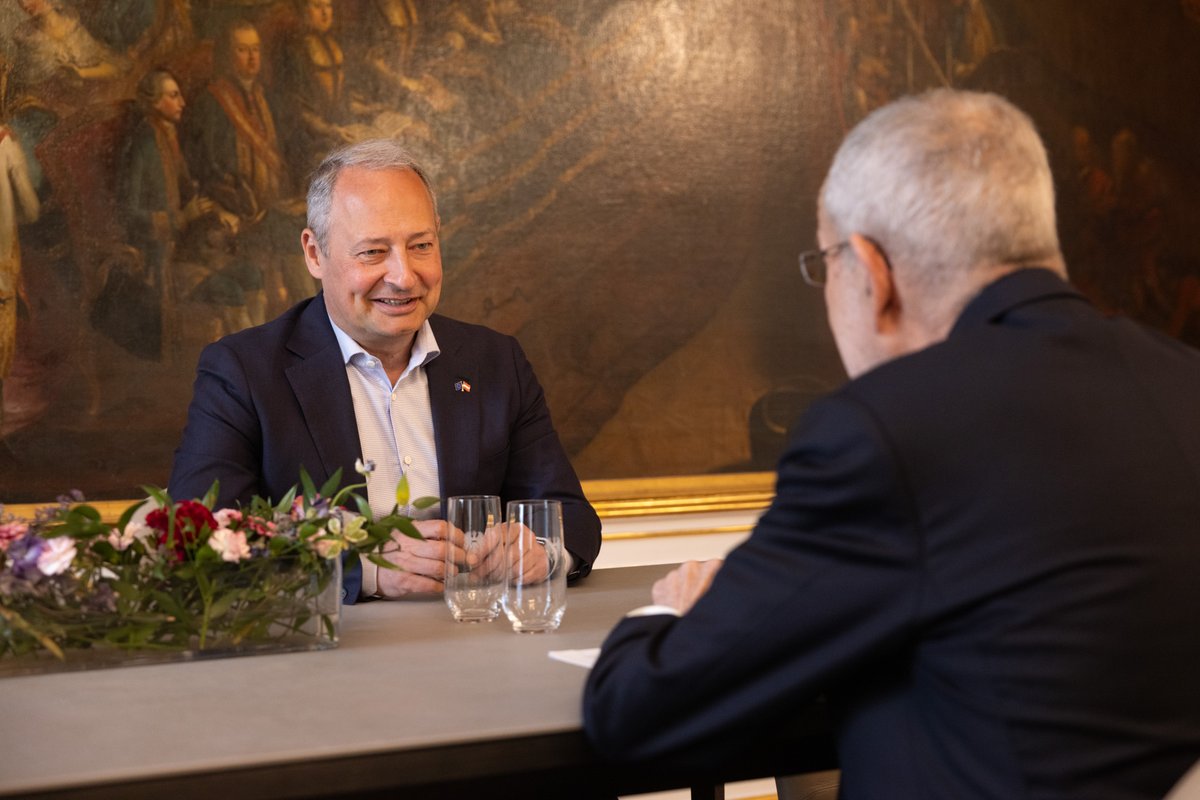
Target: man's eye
{"type": "Point", "coordinates": [423, 246]}
{"type": "Point", "coordinates": [373, 253]}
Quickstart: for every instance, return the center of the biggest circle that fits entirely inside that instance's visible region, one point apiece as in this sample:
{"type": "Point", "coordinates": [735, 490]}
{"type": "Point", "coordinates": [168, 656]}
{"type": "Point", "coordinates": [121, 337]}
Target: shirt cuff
{"type": "Point", "coordinates": [649, 611]}
{"type": "Point", "coordinates": [370, 579]}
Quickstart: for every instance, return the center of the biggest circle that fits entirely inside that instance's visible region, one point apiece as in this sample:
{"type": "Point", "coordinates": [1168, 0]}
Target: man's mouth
{"type": "Point", "coordinates": [395, 302]}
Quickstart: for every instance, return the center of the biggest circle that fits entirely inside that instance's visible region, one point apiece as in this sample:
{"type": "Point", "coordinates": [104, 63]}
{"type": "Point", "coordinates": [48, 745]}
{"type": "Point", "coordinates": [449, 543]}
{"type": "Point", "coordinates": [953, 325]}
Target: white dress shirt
{"type": "Point", "coordinates": [395, 428]}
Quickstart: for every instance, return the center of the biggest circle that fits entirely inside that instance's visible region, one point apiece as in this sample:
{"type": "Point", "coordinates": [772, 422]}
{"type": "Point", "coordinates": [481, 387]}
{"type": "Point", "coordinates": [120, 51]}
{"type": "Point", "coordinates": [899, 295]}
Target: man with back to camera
{"type": "Point", "coordinates": [365, 369]}
{"type": "Point", "coordinates": [983, 548]}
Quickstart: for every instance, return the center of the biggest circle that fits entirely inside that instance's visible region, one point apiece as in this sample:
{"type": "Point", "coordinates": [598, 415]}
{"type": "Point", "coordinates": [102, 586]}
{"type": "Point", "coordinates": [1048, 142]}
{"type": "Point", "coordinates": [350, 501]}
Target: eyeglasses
{"type": "Point", "coordinates": [814, 264]}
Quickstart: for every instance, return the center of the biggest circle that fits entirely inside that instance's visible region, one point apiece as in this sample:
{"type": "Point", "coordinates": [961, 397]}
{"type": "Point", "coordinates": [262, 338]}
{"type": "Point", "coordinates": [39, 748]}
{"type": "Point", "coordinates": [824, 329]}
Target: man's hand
{"type": "Point", "coordinates": [422, 562]}
{"type": "Point", "coordinates": [502, 544]}
{"type": "Point", "coordinates": [684, 585]}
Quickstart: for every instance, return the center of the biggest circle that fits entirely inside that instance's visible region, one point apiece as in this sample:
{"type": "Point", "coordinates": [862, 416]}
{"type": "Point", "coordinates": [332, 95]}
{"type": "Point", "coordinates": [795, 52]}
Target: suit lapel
{"type": "Point", "coordinates": [318, 379]}
{"type": "Point", "coordinates": [456, 410]}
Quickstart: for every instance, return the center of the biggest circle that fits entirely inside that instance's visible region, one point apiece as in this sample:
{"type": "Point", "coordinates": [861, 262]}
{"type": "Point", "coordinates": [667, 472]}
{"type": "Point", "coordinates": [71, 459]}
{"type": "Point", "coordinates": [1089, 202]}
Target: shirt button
{"type": "Point", "coordinates": [408, 461]}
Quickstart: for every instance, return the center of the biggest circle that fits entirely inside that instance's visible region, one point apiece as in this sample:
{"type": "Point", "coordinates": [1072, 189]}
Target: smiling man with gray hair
{"type": "Point", "coordinates": [366, 370]}
{"type": "Point", "coordinates": [984, 548]}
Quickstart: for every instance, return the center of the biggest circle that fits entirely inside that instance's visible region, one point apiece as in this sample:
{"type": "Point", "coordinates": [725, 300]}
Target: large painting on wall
{"type": "Point", "coordinates": [623, 184]}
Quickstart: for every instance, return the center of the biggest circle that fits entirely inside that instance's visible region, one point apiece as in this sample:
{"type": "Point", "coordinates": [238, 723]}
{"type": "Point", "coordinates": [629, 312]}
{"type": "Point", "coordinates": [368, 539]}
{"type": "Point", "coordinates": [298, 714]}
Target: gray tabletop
{"type": "Point", "coordinates": [405, 679]}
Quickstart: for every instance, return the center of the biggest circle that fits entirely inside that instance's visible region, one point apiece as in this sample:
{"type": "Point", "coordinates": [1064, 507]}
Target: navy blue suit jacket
{"type": "Point", "coordinates": [986, 555]}
{"type": "Point", "coordinates": [272, 399]}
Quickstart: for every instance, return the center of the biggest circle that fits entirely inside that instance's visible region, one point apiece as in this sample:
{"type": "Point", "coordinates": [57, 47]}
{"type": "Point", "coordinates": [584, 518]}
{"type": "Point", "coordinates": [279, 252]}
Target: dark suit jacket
{"type": "Point", "coordinates": [986, 555]}
{"type": "Point", "coordinates": [271, 399]}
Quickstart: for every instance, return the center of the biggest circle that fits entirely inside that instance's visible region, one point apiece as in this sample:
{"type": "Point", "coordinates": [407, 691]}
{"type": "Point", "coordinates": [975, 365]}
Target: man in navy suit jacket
{"type": "Point", "coordinates": [984, 550]}
{"type": "Point", "coordinates": [454, 406]}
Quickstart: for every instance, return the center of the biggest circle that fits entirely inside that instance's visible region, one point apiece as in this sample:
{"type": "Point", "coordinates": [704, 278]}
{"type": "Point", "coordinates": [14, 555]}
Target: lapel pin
{"type": "Point", "coordinates": [462, 385]}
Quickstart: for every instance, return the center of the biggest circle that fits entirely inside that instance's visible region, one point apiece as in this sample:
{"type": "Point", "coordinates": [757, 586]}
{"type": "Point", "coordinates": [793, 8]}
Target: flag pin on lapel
{"type": "Point", "coordinates": [462, 385]}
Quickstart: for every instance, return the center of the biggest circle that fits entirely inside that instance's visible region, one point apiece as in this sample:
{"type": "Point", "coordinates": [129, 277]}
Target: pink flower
{"type": "Point", "coordinates": [10, 531]}
{"type": "Point", "coordinates": [263, 529]}
{"type": "Point", "coordinates": [57, 555]}
{"type": "Point", "coordinates": [228, 517]}
{"type": "Point", "coordinates": [134, 531]}
{"type": "Point", "coordinates": [230, 545]}
{"type": "Point", "coordinates": [329, 548]}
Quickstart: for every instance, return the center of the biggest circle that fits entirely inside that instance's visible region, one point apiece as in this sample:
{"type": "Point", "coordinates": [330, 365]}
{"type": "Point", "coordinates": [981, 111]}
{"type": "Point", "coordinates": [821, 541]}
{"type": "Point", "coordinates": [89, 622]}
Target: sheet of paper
{"type": "Point", "coordinates": [580, 658]}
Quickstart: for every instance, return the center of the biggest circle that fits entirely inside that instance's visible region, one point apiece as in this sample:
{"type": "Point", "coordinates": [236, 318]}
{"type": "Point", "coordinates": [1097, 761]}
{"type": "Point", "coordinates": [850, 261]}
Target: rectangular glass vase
{"type": "Point", "coordinates": [279, 608]}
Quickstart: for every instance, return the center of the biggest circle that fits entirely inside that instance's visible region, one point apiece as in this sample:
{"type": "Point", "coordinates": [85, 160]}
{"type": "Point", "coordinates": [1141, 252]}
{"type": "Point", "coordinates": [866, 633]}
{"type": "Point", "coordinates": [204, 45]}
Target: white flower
{"type": "Point", "coordinates": [230, 545]}
{"type": "Point", "coordinates": [354, 530]}
{"type": "Point", "coordinates": [57, 555]}
{"type": "Point", "coordinates": [364, 467]}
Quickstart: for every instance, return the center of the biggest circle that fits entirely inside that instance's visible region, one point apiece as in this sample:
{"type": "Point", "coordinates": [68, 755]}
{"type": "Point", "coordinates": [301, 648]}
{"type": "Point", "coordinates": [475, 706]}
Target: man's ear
{"type": "Point", "coordinates": [881, 282]}
{"type": "Point", "coordinates": [312, 253]}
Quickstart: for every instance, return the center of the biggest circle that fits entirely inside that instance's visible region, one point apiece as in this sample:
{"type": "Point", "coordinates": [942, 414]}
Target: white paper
{"type": "Point", "coordinates": [580, 658]}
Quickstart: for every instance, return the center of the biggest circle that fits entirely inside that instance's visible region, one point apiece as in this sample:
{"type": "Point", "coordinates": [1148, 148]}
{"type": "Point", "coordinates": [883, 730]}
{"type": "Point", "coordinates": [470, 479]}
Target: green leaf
{"type": "Point", "coordinates": [405, 526]}
{"type": "Point", "coordinates": [422, 503]}
{"type": "Point", "coordinates": [159, 496]}
{"type": "Point", "coordinates": [375, 558]}
{"type": "Point", "coordinates": [105, 550]}
{"type": "Point", "coordinates": [285, 504]}
{"type": "Point", "coordinates": [210, 497]}
{"type": "Point", "coordinates": [172, 606]}
{"type": "Point", "coordinates": [331, 486]}
{"type": "Point", "coordinates": [126, 590]}
{"type": "Point", "coordinates": [402, 491]}
{"type": "Point", "coordinates": [364, 508]}
{"type": "Point", "coordinates": [86, 512]}
{"type": "Point", "coordinates": [310, 490]}
{"type": "Point", "coordinates": [127, 515]}
{"type": "Point", "coordinates": [222, 605]}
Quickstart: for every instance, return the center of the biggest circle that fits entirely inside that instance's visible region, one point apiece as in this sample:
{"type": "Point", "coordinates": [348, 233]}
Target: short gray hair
{"type": "Point", "coordinates": [371, 154]}
{"type": "Point", "coordinates": [945, 181]}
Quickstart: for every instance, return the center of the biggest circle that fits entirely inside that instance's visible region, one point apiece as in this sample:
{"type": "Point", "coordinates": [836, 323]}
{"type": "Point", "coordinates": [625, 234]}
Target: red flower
{"type": "Point", "coordinates": [190, 519]}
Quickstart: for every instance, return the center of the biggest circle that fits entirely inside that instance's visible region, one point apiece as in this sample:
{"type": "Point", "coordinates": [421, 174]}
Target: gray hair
{"type": "Point", "coordinates": [945, 182]}
{"type": "Point", "coordinates": [150, 87]}
{"type": "Point", "coordinates": [371, 154]}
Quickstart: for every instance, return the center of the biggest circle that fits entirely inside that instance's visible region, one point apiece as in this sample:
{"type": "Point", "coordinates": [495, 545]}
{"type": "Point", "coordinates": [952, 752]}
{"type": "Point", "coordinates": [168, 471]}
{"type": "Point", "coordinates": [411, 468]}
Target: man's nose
{"type": "Point", "coordinates": [399, 272]}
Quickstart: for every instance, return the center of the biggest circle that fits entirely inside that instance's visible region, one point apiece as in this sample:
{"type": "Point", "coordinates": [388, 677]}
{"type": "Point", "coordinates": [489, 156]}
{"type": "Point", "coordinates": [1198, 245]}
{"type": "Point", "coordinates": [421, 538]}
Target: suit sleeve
{"type": "Point", "coordinates": [538, 466]}
{"type": "Point", "coordinates": [223, 436]}
{"type": "Point", "coordinates": [827, 581]}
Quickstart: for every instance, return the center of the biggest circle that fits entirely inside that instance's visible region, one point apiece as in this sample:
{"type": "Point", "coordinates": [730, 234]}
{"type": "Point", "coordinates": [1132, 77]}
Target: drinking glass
{"type": "Point", "coordinates": [472, 586]}
{"type": "Point", "coordinates": [535, 592]}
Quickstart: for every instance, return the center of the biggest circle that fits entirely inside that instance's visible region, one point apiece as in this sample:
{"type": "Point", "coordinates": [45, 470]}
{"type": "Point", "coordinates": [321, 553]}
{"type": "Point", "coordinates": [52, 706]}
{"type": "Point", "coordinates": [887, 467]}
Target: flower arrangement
{"type": "Point", "coordinates": [185, 578]}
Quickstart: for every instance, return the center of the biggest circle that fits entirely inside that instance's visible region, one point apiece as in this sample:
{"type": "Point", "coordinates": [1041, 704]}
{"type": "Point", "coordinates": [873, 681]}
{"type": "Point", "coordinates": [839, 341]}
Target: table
{"type": "Point", "coordinates": [410, 703]}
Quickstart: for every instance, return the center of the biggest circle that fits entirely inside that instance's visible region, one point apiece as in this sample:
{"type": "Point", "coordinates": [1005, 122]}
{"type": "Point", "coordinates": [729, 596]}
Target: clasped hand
{"type": "Point", "coordinates": [423, 562]}
{"type": "Point", "coordinates": [684, 585]}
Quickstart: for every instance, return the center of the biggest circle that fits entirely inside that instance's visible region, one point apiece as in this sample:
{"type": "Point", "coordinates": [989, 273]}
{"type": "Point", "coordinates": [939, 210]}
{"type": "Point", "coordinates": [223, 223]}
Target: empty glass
{"type": "Point", "coordinates": [535, 592]}
{"type": "Point", "coordinates": [473, 586]}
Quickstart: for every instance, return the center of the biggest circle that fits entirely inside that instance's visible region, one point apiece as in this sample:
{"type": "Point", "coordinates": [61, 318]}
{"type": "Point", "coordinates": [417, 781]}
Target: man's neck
{"type": "Point", "coordinates": [395, 363]}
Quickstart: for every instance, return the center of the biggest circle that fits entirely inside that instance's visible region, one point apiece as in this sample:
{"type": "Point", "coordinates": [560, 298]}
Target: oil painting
{"type": "Point", "coordinates": [624, 185]}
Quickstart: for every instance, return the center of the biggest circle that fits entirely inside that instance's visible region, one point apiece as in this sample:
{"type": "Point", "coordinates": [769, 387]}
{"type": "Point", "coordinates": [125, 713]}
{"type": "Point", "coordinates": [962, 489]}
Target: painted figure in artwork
{"type": "Point", "coordinates": [159, 199]}
{"type": "Point", "coordinates": [233, 143]}
{"type": "Point", "coordinates": [318, 87]}
{"type": "Point", "coordinates": [185, 237]}
{"type": "Point", "coordinates": [233, 140]}
{"type": "Point", "coordinates": [18, 204]}
{"type": "Point", "coordinates": [59, 62]}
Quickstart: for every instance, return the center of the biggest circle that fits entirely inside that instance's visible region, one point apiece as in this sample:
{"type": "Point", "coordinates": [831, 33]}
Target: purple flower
{"type": "Point", "coordinates": [23, 556]}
